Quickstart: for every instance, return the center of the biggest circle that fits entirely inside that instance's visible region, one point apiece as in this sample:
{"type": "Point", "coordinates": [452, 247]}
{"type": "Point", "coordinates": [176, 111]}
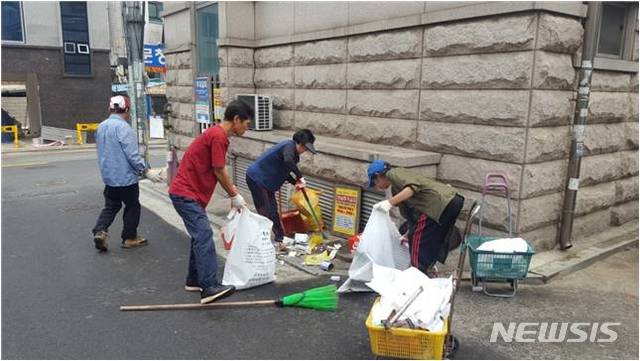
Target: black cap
{"type": "Point", "coordinates": [306, 138]}
{"type": "Point", "coordinates": [310, 148]}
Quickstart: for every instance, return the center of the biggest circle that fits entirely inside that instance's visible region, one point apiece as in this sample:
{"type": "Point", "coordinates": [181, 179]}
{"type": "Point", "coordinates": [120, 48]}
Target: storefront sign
{"type": "Point", "coordinates": [346, 210]}
{"type": "Point", "coordinates": [154, 61]}
{"type": "Point", "coordinates": [203, 100]}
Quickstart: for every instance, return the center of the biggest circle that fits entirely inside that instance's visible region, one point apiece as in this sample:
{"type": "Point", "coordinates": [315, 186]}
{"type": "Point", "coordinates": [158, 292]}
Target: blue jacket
{"type": "Point", "coordinates": [275, 166]}
{"type": "Point", "coordinates": [118, 158]}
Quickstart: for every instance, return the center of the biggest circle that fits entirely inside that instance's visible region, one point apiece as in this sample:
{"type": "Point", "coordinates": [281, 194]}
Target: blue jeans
{"type": "Point", "coordinates": [203, 264]}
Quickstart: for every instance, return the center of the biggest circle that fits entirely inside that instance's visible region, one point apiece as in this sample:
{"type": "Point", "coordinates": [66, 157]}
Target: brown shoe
{"type": "Point", "coordinates": [100, 240]}
{"type": "Point", "coordinates": [134, 243]}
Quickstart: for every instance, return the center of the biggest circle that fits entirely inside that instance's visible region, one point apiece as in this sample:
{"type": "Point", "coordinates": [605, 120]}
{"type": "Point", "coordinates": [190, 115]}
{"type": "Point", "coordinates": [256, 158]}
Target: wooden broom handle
{"type": "Point", "coordinates": [280, 209]}
{"type": "Point", "coordinates": [197, 306]}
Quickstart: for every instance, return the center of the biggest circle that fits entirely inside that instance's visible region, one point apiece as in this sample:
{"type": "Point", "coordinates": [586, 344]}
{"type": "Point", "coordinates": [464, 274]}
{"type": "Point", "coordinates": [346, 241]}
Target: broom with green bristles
{"type": "Point", "coordinates": [322, 298]}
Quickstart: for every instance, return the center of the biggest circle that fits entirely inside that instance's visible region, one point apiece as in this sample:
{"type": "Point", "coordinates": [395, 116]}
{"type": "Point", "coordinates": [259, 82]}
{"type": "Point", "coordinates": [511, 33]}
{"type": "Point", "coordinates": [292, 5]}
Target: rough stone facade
{"type": "Point", "coordinates": [179, 78]}
{"type": "Point", "coordinates": [488, 94]}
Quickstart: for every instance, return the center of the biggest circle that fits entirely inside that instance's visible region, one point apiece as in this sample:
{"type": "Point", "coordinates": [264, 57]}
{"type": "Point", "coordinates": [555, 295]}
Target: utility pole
{"type": "Point", "coordinates": [133, 19]}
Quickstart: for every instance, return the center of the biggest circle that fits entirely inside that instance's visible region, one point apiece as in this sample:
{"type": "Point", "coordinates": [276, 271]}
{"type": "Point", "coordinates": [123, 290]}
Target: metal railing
{"type": "Point", "coordinates": [12, 129]}
{"type": "Point", "coordinates": [85, 127]}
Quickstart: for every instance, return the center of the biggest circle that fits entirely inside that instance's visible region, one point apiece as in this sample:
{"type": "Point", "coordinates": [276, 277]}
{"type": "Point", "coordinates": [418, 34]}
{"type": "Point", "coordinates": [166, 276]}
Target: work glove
{"type": "Point", "coordinates": [384, 206]}
{"type": "Point", "coordinates": [301, 183]}
{"type": "Point", "coordinates": [238, 201]}
{"type": "Point", "coordinates": [153, 175]}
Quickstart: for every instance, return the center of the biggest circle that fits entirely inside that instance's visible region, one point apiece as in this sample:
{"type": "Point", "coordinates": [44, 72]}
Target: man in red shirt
{"type": "Point", "coordinates": [202, 167]}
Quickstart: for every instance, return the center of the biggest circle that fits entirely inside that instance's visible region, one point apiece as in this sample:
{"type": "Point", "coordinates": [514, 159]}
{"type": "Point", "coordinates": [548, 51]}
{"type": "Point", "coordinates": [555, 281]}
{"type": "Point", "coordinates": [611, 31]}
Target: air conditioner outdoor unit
{"type": "Point", "coordinates": [263, 110]}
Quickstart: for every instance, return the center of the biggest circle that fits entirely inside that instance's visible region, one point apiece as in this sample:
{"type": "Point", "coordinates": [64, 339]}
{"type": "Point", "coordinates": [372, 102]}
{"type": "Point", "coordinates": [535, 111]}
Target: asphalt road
{"type": "Point", "coordinates": [60, 297]}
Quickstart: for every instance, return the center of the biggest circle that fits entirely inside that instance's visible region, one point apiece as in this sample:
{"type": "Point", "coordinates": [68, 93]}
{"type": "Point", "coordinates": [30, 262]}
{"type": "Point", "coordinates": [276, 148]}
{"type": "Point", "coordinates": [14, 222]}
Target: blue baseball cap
{"type": "Point", "coordinates": [376, 167]}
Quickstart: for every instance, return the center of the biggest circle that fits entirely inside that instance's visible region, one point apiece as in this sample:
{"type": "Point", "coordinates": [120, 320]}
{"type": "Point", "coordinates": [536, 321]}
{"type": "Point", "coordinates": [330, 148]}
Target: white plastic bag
{"type": "Point", "coordinates": [252, 259]}
{"type": "Point", "coordinates": [380, 245]}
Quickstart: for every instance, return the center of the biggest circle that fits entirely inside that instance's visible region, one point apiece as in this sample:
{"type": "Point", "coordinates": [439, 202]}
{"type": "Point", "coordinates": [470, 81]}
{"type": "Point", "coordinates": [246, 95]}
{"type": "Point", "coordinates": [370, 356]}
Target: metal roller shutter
{"type": "Point", "coordinates": [369, 198]}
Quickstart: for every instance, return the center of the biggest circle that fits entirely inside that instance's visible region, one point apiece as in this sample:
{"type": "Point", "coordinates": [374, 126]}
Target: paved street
{"type": "Point", "coordinates": [60, 297]}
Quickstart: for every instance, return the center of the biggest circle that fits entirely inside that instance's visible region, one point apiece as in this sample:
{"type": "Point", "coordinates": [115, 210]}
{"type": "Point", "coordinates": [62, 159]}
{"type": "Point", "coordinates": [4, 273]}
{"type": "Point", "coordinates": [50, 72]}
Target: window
{"type": "Point", "coordinates": [207, 35]}
{"type": "Point", "coordinates": [75, 37]}
{"type": "Point", "coordinates": [617, 27]}
{"type": "Point", "coordinates": [12, 21]}
{"type": "Point", "coordinates": [155, 8]}
{"type": "Point", "coordinates": [69, 48]}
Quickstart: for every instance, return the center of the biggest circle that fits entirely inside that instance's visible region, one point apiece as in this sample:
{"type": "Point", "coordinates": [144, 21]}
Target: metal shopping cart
{"type": "Point", "coordinates": [489, 266]}
{"type": "Point", "coordinates": [421, 344]}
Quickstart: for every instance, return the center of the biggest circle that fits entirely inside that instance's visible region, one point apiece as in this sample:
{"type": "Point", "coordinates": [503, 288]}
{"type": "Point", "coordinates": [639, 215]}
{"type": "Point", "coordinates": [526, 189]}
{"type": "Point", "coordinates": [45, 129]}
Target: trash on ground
{"type": "Point", "coordinates": [301, 238]}
{"type": "Point", "coordinates": [317, 259]}
{"type": "Point", "coordinates": [315, 240]}
{"type": "Point", "coordinates": [353, 242]}
{"type": "Point", "coordinates": [505, 245]}
{"type": "Point", "coordinates": [427, 311]}
{"type": "Point", "coordinates": [326, 266]}
{"type": "Point", "coordinates": [287, 241]}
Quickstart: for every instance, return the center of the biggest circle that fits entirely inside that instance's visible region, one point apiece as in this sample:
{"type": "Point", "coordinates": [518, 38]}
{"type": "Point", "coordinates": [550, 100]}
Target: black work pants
{"type": "Point", "coordinates": [113, 199]}
{"type": "Point", "coordinates": [265, 203]}
{"type": "Point", "coordinates": [426, 237]}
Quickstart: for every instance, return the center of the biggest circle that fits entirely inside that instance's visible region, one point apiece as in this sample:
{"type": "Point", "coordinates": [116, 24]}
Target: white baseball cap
{"type": "Point", "coordinates": [119, 102]}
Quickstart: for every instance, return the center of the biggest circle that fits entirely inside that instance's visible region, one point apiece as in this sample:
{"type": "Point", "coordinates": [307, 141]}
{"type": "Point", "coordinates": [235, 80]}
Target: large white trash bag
{"type": "Point", "coordinates": [252, 259]}
{"type": "Point", "coordinates": [380, 245]}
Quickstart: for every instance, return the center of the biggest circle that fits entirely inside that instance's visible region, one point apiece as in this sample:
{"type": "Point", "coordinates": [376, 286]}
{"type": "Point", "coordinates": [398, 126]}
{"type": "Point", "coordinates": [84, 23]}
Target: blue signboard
{"type": "Point", "coordinates": [203, 100]}
{"type": "Point", "coordinates": [154, 59]}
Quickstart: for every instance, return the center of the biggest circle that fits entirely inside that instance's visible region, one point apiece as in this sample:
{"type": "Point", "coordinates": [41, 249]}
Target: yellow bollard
{"type": "Point", "coordinates": [80, 127]}
{"type": "Point", "coordinates": [12, 129]}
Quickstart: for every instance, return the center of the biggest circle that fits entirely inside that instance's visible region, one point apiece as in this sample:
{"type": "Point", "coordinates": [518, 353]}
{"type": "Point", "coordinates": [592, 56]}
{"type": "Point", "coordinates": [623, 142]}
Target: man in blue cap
{"type": "Point", "coordinates": [429, 207]}
{"type": "Point", "coordinates": [268, 173]}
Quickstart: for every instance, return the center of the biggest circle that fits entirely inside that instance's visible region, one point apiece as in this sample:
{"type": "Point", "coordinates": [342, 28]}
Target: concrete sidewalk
{"type": "Point", "coordinates": [545, 265]}
{"type": "Point", "coordinates": [155, 197]}
{"type": "Point", "coordinates": [28, 147]}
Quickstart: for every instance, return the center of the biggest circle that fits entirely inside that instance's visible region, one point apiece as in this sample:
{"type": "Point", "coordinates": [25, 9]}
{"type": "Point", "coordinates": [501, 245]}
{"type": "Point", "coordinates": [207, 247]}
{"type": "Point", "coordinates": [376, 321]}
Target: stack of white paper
{"type": "Point", "coordinates": [395, 287]}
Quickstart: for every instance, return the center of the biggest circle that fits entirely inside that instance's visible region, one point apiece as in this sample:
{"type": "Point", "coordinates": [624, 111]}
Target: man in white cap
{"type": "Point", "coordinates": [120, 167]}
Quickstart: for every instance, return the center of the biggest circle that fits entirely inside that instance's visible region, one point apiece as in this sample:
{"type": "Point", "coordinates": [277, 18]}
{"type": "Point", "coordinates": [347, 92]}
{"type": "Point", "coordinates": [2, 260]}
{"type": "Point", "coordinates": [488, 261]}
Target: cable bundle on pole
{"type": "Point", "coordinates": [323, 298]}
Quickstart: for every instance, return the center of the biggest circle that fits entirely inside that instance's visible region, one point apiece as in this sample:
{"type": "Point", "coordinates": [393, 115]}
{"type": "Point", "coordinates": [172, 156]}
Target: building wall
{"type": "Point", "coordinates": [64, 101]}
{"type": "Point", "coordinates": [181, 62]}
{"type": "Point", "coordinates": [42, 24]}
{"type": "Point", "coordinates": [54, 99]}
{"type": "Point", "coordinates": [489, 93]}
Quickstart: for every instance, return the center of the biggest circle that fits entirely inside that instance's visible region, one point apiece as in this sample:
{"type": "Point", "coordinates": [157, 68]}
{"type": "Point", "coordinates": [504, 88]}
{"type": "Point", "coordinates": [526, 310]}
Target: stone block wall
{"type": "Point", "coordinates": [489, 94]}
{"type": "Point", "coordinates": [179, 78]}
{"type": "Point", "coordinates": [609, 176]}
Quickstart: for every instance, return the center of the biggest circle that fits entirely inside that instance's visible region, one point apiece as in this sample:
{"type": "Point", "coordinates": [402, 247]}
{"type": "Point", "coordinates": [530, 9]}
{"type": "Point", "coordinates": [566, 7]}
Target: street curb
{"type": "Point", "coordinates": [546, 272]}
{"type": "Point", "coordinates": [79, 148]}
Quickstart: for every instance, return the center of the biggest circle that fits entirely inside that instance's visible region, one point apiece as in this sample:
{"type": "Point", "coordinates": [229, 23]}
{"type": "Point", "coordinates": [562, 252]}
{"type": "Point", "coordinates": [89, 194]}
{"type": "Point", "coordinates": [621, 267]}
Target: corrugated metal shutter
{"type": "Point", "coordinates": [369, 198]}
{"type": "Point", "coordinates": [240, 166]}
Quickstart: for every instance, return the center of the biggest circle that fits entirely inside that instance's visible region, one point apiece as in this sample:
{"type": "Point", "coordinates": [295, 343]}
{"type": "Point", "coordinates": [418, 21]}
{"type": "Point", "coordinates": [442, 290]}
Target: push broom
{"type": "Point", "coordinates": [322, 298]}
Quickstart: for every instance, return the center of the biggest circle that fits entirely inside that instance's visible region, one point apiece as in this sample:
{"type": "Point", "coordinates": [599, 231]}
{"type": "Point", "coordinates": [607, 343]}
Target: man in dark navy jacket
{"type": "Point", "coordinates": [269, 172]}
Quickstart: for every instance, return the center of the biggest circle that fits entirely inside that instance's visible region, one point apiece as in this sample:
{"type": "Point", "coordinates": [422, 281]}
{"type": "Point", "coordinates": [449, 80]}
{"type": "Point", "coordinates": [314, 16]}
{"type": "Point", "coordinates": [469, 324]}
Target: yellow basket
{"type": "Point", "coordinates": [406, 343]}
